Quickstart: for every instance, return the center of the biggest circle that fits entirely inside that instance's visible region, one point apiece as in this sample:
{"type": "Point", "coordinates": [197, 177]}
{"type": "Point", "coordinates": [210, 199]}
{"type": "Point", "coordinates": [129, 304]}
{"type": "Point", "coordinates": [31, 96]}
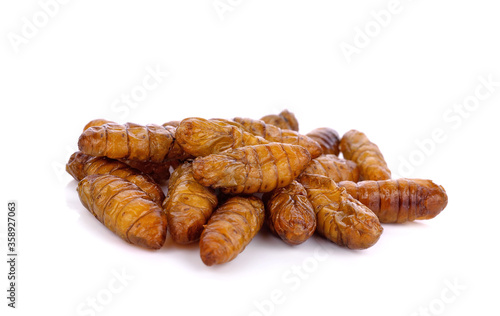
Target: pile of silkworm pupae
{"type": "Point", "coordinates": [225, 178]}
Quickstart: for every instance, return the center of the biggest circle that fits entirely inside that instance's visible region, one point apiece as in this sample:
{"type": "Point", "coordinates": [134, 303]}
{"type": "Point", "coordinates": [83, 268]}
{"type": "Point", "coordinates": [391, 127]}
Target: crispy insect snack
{"type": "Point", "coordinates": [284, 120]}
{"type": "Point", "coordinates": [218, 170]}
{"type": "Point", "coordinates": [290, 215]}
{"type": "Point", "coordinates": [357, 147]}
{"type": "Point", "coordinates": [340, 218]}
{"type": "Point", "coordinates": [251, 169]}
{"type": "Point", "coordinates": [188, 205]}
{"type": "Point", "coordinates": [399, 201]}
{"type": "Point", "coordinates": [231, 227]}
{"type": "Point", "coordinates": [202, 137]}
{"type": "Point", "coordinates": [80, 165]}
{"type": "Point", "coordinates": [336, 168]}
{"type": "Point", "coordinates": [276, 134]}
{"type": "Point", "coordinates": [124, 209]}
{"type": "Point", "coordinates": [131, 141]}
{"type": "Point", "coordinates": [327, 138]}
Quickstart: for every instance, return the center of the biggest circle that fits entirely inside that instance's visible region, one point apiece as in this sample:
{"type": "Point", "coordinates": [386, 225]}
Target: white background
{"type": "Point", "coordinates": [409, 78]}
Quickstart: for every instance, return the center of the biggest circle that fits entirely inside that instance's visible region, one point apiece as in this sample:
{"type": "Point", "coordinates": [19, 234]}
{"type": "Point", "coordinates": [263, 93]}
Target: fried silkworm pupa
{"type": "Point", "coordinates": [284, 120]}
{"type": "Point", "coordinates": [80, 165]}
{"type": "Point", "coordinates": [276, 134]}
{"type": "Point", "coordinates": [399, 201]}
{"type": "Point", "coordinates": [232, 226]}
{"type": "Point", "coordinates": [357, 147]}
{"type": "Point", "coordinates": [340, 218]}
{"type": "Point", "coordinates": [124, 209]}
{"type": "Point", "coordinates": [188, 205]}
{"type": "Point", "coordinates": [160, 171]}
{"type": "Point", "coordinates": [252, 169]}
{"type": "Point", "coordinates": [336, 168]}
{"type": "Point", "coordinates": [202, 137]}
{"type": "Point", "coordinates": [289, 214]}
{"type": "Point", "coordinates": [327, 138]}
{"type": "Point", "coordinates": [131, 141]}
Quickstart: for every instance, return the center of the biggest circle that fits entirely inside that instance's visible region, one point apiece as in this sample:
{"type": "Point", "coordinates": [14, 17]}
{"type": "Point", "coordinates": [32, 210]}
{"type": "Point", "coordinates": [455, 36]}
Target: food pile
{"type": "Point", "coordinates": [226, 178]}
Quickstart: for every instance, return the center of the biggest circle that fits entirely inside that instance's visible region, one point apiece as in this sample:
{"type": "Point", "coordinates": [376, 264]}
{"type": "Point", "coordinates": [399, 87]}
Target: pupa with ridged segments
{"type": "Point", "coordinates": [276, 134]}
{"type": "Point", "coordinates": [201, 137]}
{"type": "Point", "coordinates": [340, 218]}
{"type": "Point", "coordinates": [152, 143]}
{"type": "Point", "coordinates": [327, 138]}
{"type": "Point", "coordinates": [357, 147]}
{"type": "Point", "coordinates": [401, 200]}
{"type": "Point", "coordinates": [124, 209]}
{"type": "Point", "coordinates": [289, 213]}
{"type": "Point", "coordinates": [230, 229]}
{"type": "Point", "coordinates": [252, 169]}
{"type": "Point", "coordinates": [188, 205]}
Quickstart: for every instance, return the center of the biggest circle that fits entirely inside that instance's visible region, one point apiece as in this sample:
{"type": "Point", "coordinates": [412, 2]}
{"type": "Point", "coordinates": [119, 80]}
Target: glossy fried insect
{"type": "Point", "coordinates": [399, 201]}
{"type": "Point", "coordinates": [131, 141]}
{"type": "Point", "coordinates": [188, 205]}
{"type": "Point", "coordinates": [251, 169]}
{"type": "Point", "coordinates": [202, 137]}
{"type": "Point", "coordinates": [231, 227]}
{"type": "Point", "coordinates": [276, 134]}
{"type": "Point", "coordinates": [340, 218]}
{"type": "Point", "coordinates": [290, 215]}
{"type": "Point", "coordinates": [159, 171]}
{"type": "Point", "coordinates": [327, 138]}
{"type": "Point", "coordinates": [124, 209]}
{"type": "Point", "coordinates": [335, 168]}
{"type": "Point", "coordinates": [357, 147]}
{"type": "Point", "coordinates": [284, 120]}
{"type": "Point", "coordinates": [80, 165]}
